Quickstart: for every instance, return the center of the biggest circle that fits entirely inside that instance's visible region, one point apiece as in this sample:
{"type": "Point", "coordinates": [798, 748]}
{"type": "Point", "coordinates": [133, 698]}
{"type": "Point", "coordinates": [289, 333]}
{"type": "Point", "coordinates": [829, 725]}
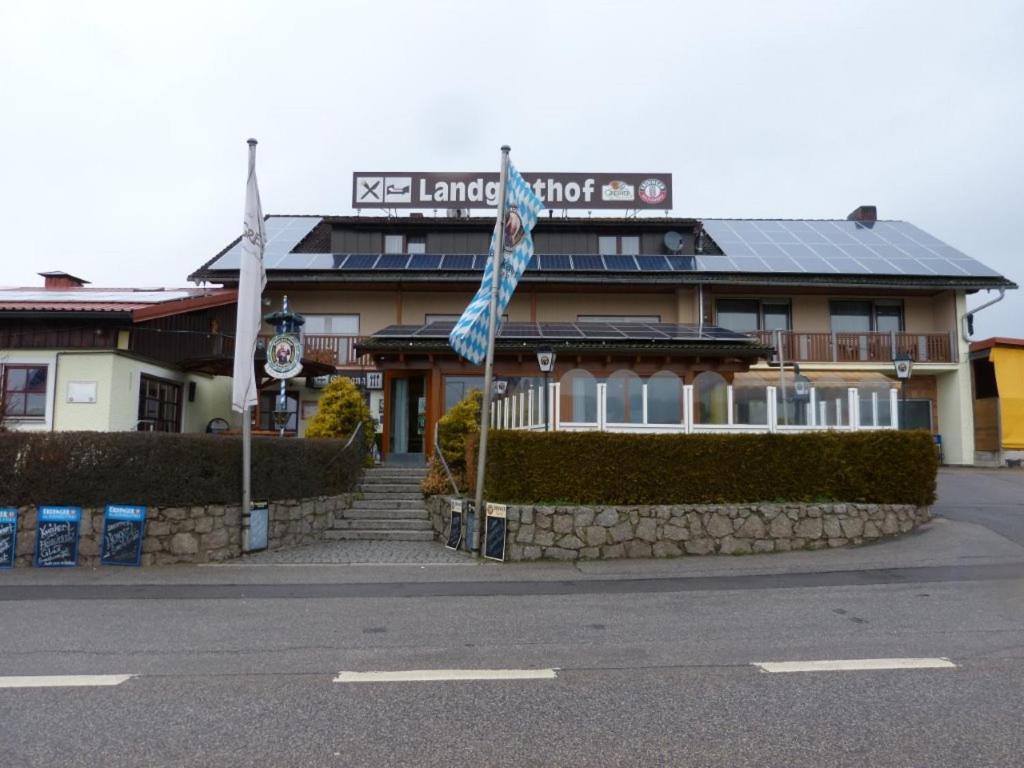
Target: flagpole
{"type": "Point", "coordinates": [479, 542]}
{"type": "Point", "coordinates": [247, 411]}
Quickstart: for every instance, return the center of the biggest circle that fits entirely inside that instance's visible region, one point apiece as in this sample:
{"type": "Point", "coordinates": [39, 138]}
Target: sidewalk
{"type": "Point", "coordinates": [942, 542]}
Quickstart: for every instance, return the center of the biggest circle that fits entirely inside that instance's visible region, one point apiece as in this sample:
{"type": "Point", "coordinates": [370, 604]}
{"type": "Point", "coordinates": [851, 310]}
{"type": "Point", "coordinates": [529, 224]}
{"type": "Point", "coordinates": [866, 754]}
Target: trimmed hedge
{"type": "Point", "coordinates": [615, 469]}
{"type": "Point", "coordinates": [95, 468]}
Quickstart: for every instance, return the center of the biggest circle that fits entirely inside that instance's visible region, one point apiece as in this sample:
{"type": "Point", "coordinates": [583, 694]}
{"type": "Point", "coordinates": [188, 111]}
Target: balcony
{"type": "Point", "coordinates": [332, 349]}
{"type": "Point", "coordinates": [874, 347]}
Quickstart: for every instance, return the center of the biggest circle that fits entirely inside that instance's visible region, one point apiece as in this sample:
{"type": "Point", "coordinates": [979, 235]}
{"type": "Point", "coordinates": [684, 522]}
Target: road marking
{"type": "Point", "coordinates": [853, 665]}
{"type": "Point", "coordinates": [437, 675]}
{"type": "Point", "coordinates": [61, 681]}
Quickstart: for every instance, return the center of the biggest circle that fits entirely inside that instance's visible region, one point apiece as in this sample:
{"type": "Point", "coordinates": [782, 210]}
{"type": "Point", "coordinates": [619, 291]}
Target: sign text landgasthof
{"type": "Point", "coordinates": [417, 189]}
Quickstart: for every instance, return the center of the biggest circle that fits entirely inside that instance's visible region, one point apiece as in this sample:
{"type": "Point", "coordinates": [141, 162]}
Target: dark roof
{"type": "Point", "coordinates": [604, 337]}
{"type": "Point", "coordinates": [135, 303]}
{"type": "Point", "coordinates": [884, 254]}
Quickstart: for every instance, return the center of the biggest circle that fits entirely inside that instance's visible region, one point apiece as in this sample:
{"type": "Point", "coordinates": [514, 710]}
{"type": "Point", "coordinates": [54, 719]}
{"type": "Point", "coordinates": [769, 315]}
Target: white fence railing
{"type": "Point", "coordinates": [531, 410]}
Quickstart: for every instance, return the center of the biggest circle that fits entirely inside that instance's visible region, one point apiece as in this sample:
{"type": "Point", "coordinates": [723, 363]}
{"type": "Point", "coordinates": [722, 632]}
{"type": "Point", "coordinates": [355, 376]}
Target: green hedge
{"type": "Point", "coordinates": [94, 468]}
{"type": "Point", "coordinates": [617, 469]}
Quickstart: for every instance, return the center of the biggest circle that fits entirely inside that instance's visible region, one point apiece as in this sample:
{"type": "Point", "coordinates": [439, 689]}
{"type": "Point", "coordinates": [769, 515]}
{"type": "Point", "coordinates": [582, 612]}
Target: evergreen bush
{"type": "Point", "coordinates": [882, 467]}
{"type": "Point", "coordinates": [340, 409]}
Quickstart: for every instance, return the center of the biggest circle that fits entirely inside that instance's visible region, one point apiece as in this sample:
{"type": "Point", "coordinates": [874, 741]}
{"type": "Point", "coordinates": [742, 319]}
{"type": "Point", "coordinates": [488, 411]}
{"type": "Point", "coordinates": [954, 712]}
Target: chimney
{"type": "Point", "coordinates": [58, 280]}
{"type": "Point", "coordinates": [864, 213]}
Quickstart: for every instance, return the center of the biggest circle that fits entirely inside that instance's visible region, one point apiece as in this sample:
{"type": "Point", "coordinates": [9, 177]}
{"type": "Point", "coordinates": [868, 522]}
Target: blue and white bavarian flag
{"type": "Point", "coordinates": [522, 207]}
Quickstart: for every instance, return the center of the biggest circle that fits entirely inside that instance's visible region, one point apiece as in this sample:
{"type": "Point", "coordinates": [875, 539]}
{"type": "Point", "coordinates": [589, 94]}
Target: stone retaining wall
{"type": "Point", "coordinates": [196, 534]}
{"type": "Point", "coordinates": [572, 533]}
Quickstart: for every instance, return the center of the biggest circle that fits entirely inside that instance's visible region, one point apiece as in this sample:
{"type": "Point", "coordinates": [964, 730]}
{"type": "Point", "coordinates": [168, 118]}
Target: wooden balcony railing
{"type": "Point", "coordinates": [874, 347]}
{"type": "Point", "coordinates": [332, 349]}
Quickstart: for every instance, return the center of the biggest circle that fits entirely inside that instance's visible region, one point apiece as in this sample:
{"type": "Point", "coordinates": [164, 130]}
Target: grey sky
{"type": "Point", "coordinates": [122, 138]}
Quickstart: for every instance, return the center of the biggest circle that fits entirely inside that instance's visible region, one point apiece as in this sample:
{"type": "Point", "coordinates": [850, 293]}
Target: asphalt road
{"type": "Point", "coordinates": [238, 666]}
{"type": "Point", "coordinates": [993, 498]}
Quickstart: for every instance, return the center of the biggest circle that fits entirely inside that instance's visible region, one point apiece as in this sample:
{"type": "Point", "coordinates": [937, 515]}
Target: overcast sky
{"type": "Point", "coordinates": [123, 127]}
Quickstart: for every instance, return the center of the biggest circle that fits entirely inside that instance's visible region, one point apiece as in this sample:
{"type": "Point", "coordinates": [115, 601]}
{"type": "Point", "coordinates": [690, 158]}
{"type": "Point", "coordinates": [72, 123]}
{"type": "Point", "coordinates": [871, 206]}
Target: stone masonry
{"type": "Point", "coordinates": [592, 533]}
{"type": "Point", "coordinates": [197, 534]}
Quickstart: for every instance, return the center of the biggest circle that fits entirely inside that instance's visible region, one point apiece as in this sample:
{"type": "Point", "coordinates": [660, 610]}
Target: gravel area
{"type": "Point", "coordinates": [361, 552]}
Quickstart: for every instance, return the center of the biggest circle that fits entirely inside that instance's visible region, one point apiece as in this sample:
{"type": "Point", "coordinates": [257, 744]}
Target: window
{"type": "Point", "coordinates": [863, 316]}
{"type": "Point", "coordinates": [24, 391]}
{"type": "Point", "coordinates": [441, 318]}
{"type": "Point", "coordinates": [159, 405]}
{"type": "Point", "coordinates": [618, 318]}
{"type": "Point", "coordinates": [610, 245]}
{"type": "Point", "coordinates": [342, 325]}
{"type": "Point", "coordinates": [394, 244]}
{"type": "Point", "coordinates": [915, 414]}
{"type": "Point", "coordinates": [267, 406]}
{"type": "Point", "coordinates": [403, 244]}
{"type": "Point", "coordinates": [457, 387]}
{"type": "Point", "coordinates": [748, 315]}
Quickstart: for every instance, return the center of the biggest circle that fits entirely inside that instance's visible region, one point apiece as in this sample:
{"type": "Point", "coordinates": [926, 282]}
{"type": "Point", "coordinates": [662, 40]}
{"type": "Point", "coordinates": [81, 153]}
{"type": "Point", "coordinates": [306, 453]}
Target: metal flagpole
{"type": "Point", "coordinates": [478, 542]}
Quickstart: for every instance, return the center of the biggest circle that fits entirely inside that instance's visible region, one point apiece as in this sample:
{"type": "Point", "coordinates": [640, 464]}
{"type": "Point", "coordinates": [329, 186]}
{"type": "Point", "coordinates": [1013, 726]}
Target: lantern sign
{"type": "Point", "coordinates": [284, 356]}
{"type": "Point", "coordinates": [284, 351]}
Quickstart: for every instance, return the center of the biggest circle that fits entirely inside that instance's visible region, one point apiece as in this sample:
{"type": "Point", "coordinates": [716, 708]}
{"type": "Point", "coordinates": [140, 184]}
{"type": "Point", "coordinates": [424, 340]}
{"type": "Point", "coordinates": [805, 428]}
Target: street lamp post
{"type": "Point", "coordinates": [903, 363]}
{"type": "Point", "coordinates": [546, 362]}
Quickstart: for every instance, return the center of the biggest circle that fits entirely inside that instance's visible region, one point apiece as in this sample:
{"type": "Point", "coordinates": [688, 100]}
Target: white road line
{"type": "Point", "coordinates": [61, 681]}
{"type": "Point", "coordinates": [853, 665]}
{"type": "Point", "coordinates": [437, 675]}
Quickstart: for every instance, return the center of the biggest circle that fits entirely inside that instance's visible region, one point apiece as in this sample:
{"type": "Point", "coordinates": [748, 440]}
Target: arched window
{"type": "Point", "coordinates": [578, 397]}
{"type": "Point", "coordinates": [710, 400]}
{"type": "Point", "coordinates": [664, 398]}
{"type": "Point", "coordinates": [625, 398]}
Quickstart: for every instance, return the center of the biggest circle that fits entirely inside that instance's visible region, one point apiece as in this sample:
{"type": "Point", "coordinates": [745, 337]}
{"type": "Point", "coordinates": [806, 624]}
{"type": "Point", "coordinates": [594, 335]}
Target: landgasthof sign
{"type": "Point", "coordinates": [417, 189]}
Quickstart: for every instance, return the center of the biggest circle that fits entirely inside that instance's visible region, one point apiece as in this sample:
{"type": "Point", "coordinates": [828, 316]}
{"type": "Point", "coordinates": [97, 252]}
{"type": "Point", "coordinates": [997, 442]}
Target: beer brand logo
{"type": "Point", "coordinates": [617, 190]}
{"type": "Point", "coordinates": [514, 231]}
{"type": "Point", "coordinates": [653, 191]}
{"type": "Point", "coordinates": [284, 356]}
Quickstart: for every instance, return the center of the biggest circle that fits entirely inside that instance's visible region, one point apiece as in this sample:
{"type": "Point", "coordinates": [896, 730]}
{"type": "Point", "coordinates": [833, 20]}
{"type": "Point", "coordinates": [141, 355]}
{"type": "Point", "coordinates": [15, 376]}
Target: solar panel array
{"type": "Point", "coordinates": [761, 246]}
{"type": "Point", "coordinates": [836, 247]}
{"type": "Point", "coordinates": [653, 332]}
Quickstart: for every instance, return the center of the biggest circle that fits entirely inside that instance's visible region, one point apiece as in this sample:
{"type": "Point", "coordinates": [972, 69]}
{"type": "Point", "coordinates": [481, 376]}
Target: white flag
{"type": "Point", "coordinates": [252, 278]}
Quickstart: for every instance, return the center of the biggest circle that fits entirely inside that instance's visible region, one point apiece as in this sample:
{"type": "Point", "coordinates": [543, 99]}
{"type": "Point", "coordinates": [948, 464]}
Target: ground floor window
{"type": "Point", "coordinates": [267, 406]}
{"type": "Point", "coordinates": [24, 391]}
{"type": "Point", "coordinates": [159, 405]}
{"type": "Point", "coordinates": [915, 414]}
{"type": "Point", "coordinates": [457, 387]}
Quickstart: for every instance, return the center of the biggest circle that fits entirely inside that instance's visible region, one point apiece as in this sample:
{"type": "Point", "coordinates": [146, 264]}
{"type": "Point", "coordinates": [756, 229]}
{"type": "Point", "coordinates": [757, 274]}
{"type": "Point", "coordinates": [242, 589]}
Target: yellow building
{"type": "Point", "coordinates": [997, 367]}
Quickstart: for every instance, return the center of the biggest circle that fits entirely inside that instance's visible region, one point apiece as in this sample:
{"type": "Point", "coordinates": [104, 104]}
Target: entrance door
{"type": "Point", "coordinates": [408, 418]}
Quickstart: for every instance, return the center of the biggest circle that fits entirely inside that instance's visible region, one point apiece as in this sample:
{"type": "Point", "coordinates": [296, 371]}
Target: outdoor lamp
{"type": "Point", "coordinates": [546, 361]}
{"type": "Point", "coordinates": [904, 364]}
{"type": "Point", "coordinates": [281, 414]}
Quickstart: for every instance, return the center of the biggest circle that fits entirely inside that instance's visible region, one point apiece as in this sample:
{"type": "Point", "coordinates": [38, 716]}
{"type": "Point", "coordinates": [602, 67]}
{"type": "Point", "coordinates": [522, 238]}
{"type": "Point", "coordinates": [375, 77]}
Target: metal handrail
{"type": "Point", "coordinates": [440, 454]}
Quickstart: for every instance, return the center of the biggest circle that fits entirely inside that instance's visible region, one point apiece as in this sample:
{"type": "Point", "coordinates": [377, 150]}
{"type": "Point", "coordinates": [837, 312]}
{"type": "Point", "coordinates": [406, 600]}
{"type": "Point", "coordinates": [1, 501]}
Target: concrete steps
{"type": "Point", "coordinates": [388, 507]}
{"type": "Point", "coordinates": [378, 535]}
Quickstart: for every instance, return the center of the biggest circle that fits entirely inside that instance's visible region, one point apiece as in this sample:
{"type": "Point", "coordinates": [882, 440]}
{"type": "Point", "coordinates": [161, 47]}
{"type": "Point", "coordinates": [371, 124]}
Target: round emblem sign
{"type": "Point", "coordinates": [513, 229]}
{"type": "Point", "coordinates": [284, 356]}
{"type": "Point", "coordinates": [653, 191]}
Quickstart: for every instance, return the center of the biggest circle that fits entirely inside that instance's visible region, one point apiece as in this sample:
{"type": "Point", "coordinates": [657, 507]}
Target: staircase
{"type": "Point", "coordinates": [388, 507]}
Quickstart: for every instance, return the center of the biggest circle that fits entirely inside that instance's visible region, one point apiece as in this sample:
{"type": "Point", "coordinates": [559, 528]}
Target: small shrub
{"type": "Point", "coordinates": [456, 430]}
{"type": "Point", "coordinates": [340, 409]}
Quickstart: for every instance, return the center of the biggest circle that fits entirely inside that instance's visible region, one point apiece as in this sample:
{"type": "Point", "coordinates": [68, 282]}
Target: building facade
{"type": "Point", "coordinates": [726, 307]}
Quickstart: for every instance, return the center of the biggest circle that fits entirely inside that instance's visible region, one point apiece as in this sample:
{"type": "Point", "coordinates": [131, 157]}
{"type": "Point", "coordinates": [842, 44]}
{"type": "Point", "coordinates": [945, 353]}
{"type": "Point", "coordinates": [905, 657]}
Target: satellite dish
{"type": "Point", "coordinates": [674, 241]}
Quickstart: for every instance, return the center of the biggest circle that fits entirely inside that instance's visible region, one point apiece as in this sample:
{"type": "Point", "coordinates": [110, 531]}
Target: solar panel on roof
{"type": "Point", "coordinates": [392, 261]}
{"type": "Point", "coordinates": [424, 261]}
{"type": "Point", "coordinates": [587, 262]}
{"type": "Point", "coordinates": [620, 263]}
{"type": "Point", "coordinates": [652, 263]}
{"type": "Point", "coordinates": [457, 262]}
{"type": "Point", "coordinates": [559, 262]}
{"type": "Point", "coordinates": [682, 263]}
{"type": "Point", "coordinates": [846, 247]}
{"type": "Point", "coordinates": [360, 261]}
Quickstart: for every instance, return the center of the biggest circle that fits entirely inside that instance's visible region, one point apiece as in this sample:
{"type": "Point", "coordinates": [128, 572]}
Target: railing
{"type": "Point", "coordinates": [873, 347]}
{"type": "Point", "coordinates": [847, 409]}
{"type": "Point", "coordinates": [332, 349]}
